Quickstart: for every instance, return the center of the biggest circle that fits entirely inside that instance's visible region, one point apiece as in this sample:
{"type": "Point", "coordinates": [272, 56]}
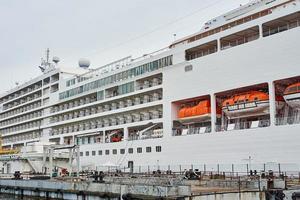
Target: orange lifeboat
{"type": "Point", "coordinates": [253, 103]}
{"type": "Point", "coordinates": [199, 113]}
{"type": "Point", "coordinates": [291, 95]}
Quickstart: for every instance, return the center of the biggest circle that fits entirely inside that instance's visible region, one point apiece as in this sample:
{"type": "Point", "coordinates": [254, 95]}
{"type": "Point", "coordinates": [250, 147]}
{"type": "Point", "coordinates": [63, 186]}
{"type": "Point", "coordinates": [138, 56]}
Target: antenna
{"type": "Point", "coordinates": [45, 64]}
{"type": "Point", "coordinates": [174, 35]}
{"type": "Point", "coordinates": [47, 55]}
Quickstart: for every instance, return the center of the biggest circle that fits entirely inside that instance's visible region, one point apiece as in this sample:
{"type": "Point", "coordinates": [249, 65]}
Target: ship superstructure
{"type": "Point", "coordinates": [226, 93]}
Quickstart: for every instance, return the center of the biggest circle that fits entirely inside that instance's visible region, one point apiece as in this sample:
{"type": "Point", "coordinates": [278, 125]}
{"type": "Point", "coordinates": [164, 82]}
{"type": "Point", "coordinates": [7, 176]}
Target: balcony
{"type": "Point", "coordinates": [281, 24]}
{"type": "Point", "coordinates": [240, 38]}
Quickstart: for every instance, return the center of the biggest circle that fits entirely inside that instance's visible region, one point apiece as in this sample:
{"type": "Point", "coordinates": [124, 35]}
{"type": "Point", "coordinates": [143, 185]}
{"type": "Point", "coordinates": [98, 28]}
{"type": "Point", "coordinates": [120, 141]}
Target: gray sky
{"type": "Point", "coordinates": [102, 31]}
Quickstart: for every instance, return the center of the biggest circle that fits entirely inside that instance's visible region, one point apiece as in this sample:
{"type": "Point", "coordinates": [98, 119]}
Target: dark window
{"type": "Point", "coordinates": [99, 152]}
{"type": "Point", "coordinates": [106, 152]}
{"type": "Point", "coordinates": [81, 153]}
{"type": "Point", "coordinates": [148, 149]}
{"type": "Point", "coordinates": [122, 151]}
{"type": "Point", "coordinates": [115, 151]}
{"type": "Point", "coordinates": [130, 150]}
{"type": "Point", "coordinates": [93, 153]}
{"type": "Point", "coordinates": [158, 148]}
{"type": "Point", "coordinates": [87, 153]}
{"type": "Point", "coordinates": [139, 150]}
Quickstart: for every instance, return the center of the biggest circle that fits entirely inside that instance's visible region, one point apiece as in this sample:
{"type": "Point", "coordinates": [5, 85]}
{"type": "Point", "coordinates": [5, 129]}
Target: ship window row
{"type": "Point", "coordinates": [139, 150]}
{"type": "Point", "coordinates": [29, 125]}
{"type": "Point", "coordinates": [21, 109]}
{"type": "Point", "coordinates": [281, 24]}
{"type": "Point", "coordinates": [149, 67]}
{"type": "Point", "coordinates": [22, 101]}
{"type": "Point", "coordinates": [145, 114]}
{"type": "Point", "coordinates": [245, 36]}
{"type": "Point", "coordinates": [110, 92]}
{"type": "Point", "coordinates": [21, 137]}
{"type": "Point", "coordinates": [140, 132]}
{"type": "Point", "coordinates": [22, 92]}
{"type": "Point", "coordinates": [227, 42]}
{"type": "Point", "coordinates": [22, 118]}
{"type": "Point", "coordinates": [109, 106]}
{"type": "Point", "coordinates": [231, 25]}
{"type": "Point", "coordinates": [30, 89]}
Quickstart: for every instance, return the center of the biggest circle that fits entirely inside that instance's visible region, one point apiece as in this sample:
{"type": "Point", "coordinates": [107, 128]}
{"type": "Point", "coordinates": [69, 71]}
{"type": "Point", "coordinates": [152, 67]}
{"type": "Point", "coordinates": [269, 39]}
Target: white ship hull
{"type": "Point", "coordinates": [255, 52]}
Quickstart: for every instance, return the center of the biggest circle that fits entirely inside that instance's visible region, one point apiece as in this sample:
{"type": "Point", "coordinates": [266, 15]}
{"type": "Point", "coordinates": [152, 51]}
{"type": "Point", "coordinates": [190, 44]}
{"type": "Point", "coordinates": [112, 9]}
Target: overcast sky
{"type": "Point", "coordinates": [102, 31]}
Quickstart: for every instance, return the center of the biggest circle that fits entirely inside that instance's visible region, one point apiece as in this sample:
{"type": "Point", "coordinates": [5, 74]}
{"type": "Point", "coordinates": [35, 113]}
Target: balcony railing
{"type": "Point", "coordinates": [191, 131]}
{"type": "Point", "coordinates": [280, 121]}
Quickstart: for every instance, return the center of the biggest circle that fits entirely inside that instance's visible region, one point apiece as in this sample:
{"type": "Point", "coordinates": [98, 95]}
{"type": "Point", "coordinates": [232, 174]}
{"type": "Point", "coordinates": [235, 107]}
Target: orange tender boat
{"type": "Point", "coordinates": [253, 103]}
{"type": "Point", "coordinates": [199, 113]}
{"type": "Point", "coordinates": [291, 95]}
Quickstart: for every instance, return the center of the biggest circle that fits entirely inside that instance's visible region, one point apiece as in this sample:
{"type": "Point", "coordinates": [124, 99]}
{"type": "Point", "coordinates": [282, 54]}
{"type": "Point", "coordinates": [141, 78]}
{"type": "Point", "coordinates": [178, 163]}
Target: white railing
{"type": "Point", "coordinates": [281, 28]}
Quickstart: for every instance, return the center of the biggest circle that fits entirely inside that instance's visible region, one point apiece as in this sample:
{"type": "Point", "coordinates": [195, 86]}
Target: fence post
{"type": "Point", "coordinates": [247, 169]}
{"type": "Point", "coordinates": [264, 167]}
{"type": "Point", "coordinates": [148, 169]}
{"type": "Point", "coordinates": [180, 169]}
{"type": "Point", "coordinates": [218, 168]}
{"type": "Point", "coordinates": [204, 167]}
{"type": "Point", "coordinates": [232, 169]}
{"type": "Point", "coordinates": [279, 168]}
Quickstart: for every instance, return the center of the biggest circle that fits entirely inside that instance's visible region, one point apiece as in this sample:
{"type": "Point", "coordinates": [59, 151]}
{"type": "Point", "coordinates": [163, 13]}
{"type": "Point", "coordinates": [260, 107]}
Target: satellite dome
{"type": "Point", "coordinates": [84, 63]}
{"type": "Point", "coordinates": [55, 59]}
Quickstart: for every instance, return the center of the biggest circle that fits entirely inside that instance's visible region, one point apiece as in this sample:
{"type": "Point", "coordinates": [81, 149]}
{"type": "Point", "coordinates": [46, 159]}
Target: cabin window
{"type": "Point", "coordinates": [87, 153]}
{"type": "Point", "coordinates": [122, 151]}
{"type": "Point", "coordinates": [81, 153]}
{"type": "Point", "coordinates": [130, 150]}
{"type": "Point", "coordinates": [107, 152]}
{"type": "Point", "coordinates": [139, 150]}
{"type": "Point", "coordinates": [115, 151]}
{"type": "Point", "coordinates": [158, 148]}
{"type": "Point", "coordinates": [93, 153]}
{"type": "Point", "coordinates": [148, 149]}
{"type": "Point", "coordinates": [99, 152]}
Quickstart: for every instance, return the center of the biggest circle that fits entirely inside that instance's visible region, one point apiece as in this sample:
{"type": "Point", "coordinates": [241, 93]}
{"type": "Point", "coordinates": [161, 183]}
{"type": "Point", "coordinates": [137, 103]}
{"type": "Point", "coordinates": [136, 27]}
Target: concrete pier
{"type": "Point", "coordinates": [83, 190]}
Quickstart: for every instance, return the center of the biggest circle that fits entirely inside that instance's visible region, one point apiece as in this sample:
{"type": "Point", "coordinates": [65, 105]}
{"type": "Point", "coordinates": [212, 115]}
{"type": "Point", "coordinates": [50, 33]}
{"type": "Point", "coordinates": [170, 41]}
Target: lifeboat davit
{"type": "Point", "coordinates": [199, 113]}
{"type": "Point", "coordinates": [253, 103]}
{"type": "Point", "coordinates": [291, 95]}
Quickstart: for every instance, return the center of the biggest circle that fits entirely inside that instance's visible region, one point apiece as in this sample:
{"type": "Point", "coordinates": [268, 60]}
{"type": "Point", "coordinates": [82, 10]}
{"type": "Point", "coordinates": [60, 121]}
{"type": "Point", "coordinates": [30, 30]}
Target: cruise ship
{"type": "Point", "coordinates": [228, 95]}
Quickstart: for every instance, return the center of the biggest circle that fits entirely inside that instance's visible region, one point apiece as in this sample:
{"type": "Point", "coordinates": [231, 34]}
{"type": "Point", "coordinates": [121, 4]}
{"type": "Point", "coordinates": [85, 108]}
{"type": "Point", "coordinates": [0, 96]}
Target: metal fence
{"type": "Point", "coordinates": [287, 169]}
